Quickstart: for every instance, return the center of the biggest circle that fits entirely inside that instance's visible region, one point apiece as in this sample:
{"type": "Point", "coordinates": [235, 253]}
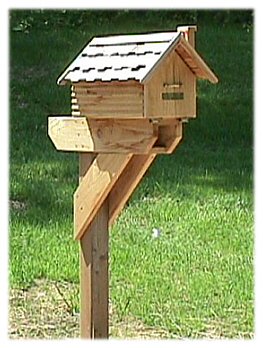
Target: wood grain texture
{"type": "Point", "coordinates": [101, 135]}
{"type": "Point", "coordinates": [109, 112]}
{"type": "Point", "coordinates": [194, 61]}
{"type": "Point", "coordinates": [98, 84]}
{"type": "Point", "coordinates": [100, 275]}
{"type": "Point", "coordinates": [109, 100]}
{"type": "Point", "coordinates": [173, 71]}
{"type": "Point", "coordinates": [94, 270]}
{"type": "Point", "coordinates": [94, 188]}
{"type": "Point", "coordinates": [86, 292]}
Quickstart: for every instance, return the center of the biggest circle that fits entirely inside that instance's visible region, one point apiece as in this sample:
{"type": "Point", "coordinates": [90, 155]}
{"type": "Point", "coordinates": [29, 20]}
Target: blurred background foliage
{"type": "Point", "coordinates": [25, 20]}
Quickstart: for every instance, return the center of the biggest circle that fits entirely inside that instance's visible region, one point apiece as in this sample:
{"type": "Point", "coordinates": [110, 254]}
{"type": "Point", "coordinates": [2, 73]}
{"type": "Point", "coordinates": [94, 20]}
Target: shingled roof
{"type": "Point", "coordinates": [130, 57]}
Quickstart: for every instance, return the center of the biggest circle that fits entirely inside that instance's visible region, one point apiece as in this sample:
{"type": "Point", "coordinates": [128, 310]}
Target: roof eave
{"type": "Point", "coordinates": [200, 68]}
{"type": "Point", "coordinates": [61, 81]}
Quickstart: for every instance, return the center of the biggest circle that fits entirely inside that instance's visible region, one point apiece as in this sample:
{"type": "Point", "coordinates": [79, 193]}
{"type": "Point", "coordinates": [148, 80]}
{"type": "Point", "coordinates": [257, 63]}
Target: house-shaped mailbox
{"type": "Point", "coordinates": [133, 76]}
{"type": "Point", "coordinates": [130, 95]}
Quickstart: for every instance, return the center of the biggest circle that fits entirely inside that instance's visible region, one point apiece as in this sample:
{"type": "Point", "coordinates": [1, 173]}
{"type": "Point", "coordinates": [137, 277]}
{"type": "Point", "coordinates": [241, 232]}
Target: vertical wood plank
{"type": "Point", "coordinates": [94, 270]}
{"type": "Point", "coordinates": [86, 329]}
{"type": "Point", "coordinates": [100, 281]}
{"type": "Point", "coordinates": [173, 71]}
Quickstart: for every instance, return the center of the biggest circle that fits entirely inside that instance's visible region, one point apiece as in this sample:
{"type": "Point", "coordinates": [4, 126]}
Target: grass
{"type": "Point", "coordinates": [196, 279]}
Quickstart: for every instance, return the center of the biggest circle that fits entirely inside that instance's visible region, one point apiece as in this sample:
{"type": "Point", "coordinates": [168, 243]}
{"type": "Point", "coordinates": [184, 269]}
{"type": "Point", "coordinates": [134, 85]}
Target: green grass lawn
{"type": "Point", "coordinates": [196, 279]}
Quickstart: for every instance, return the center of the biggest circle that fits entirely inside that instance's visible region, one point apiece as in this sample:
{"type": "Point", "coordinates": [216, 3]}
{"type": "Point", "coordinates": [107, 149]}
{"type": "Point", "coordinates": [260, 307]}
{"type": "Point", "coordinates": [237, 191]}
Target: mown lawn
{"type": "Point", "coordinates": [196, 279]}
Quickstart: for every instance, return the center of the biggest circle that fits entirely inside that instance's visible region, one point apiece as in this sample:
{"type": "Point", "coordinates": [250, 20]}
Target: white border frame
{"type": "Point", "coordinates": [258, 159]}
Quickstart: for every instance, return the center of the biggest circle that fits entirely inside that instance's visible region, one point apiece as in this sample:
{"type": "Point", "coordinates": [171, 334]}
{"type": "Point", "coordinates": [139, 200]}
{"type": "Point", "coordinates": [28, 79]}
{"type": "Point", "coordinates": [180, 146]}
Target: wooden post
{"type": "Point", "coordinates": [94, 270]}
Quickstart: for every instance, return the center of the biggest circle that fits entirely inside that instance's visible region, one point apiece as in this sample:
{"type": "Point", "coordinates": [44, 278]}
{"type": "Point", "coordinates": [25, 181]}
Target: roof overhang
{"type": "Point", "coordinates": [194, 61]}
{"type": "Point", "coordinates": [191, 58]}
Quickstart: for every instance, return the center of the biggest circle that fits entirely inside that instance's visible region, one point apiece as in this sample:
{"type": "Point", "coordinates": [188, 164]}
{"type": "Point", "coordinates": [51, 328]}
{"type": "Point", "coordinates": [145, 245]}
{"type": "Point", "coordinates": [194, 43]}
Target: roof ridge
{"type": "Point", "coordinates": [131, 39]}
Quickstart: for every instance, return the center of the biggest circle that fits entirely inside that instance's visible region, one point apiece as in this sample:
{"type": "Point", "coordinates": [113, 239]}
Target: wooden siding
{"type": "Point", "coordinates": [107, 99]}
{"type": "Point", "coordinates": [171, 73]}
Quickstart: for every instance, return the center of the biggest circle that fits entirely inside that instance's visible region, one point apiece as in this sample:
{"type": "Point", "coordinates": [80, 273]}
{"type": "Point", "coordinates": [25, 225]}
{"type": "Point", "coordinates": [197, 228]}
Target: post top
{"type": "Point", "coordinates": [186, 28]}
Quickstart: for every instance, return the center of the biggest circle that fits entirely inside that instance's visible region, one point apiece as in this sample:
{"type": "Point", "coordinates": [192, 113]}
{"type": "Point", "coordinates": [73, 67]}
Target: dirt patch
{"type": "Point", "coordinates": [46, 311]}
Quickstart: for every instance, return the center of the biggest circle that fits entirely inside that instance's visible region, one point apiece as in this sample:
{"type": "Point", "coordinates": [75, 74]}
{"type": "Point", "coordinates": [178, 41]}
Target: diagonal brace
{"type": "Point", "coordinates": [95, 187]}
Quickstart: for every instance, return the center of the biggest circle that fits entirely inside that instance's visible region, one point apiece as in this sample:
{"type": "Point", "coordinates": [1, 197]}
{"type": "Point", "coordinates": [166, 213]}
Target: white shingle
{"type": "Point", "coordinates": [119, 57]}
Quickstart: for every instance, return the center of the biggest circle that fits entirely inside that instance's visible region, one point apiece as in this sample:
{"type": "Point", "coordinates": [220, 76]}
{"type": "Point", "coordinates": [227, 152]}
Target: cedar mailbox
{"type": "Point", "coordinates": [130, 95]}
{"type": "Point", "coordinates": [132, 76]}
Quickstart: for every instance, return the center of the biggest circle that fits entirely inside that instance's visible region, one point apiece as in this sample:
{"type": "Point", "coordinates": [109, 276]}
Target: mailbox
{"type": "Point", "coordinates": [136, 76]}
{"type": "Point", "coordinates": [130, 95]}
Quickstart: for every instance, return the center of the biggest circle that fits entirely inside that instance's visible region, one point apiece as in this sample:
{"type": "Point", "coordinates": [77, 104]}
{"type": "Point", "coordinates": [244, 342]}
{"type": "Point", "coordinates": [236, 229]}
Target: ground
{"type": "Point", "coordinates": [44, 311]}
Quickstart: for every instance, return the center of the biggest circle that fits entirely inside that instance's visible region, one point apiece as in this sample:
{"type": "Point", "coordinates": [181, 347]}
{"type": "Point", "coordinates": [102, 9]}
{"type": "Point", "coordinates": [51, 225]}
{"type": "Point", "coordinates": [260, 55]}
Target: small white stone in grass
{"type": "Point", "coordinates": [156, 232]}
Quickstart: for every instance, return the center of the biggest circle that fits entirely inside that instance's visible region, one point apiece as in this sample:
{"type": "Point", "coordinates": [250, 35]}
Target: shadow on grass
{"type": "Point", "coordinates": [46, 188]}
